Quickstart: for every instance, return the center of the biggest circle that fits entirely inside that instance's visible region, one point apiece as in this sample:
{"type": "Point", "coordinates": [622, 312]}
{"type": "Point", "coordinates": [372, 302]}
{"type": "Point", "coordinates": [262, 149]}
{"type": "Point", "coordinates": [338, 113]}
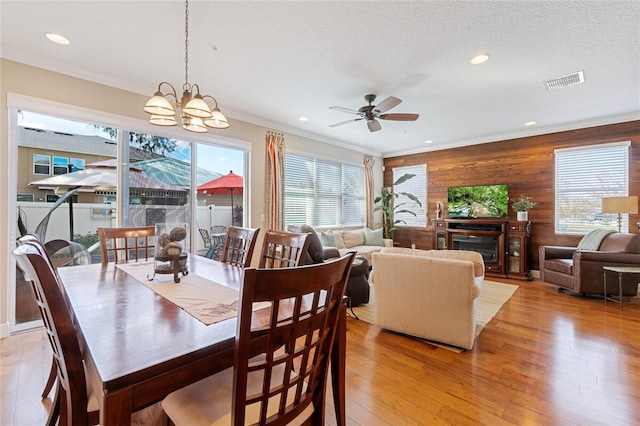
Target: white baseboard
{"type": "Point", "coordinates": [4, 330]}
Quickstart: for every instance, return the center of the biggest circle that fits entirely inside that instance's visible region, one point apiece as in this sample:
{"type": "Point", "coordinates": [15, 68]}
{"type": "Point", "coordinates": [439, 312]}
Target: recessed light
{"type": "Point", "coordinates": [303, 118]}
{"type": "Point", "coordinates": [428, 141]}
{"type": "Point", "coordinates": [530, 123]}
{"type": "Point", "coordinates": [480, 59]}
{"type": "Point", "coordinates": [57, 38]}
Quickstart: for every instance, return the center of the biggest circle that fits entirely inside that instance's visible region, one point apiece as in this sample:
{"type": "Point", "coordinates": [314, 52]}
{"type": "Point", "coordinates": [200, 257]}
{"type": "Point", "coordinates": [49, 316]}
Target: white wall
{"type": "Point", "coordinates": [83, 98]}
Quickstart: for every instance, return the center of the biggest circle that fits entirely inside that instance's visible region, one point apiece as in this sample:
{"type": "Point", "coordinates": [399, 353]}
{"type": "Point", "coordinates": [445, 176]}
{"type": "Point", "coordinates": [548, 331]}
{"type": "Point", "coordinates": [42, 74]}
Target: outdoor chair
{"type": "Point", "coordinates": [73, 401]}
{"type": "Point", "coordinates": [239, 245]}
{"type": "Point", "coordinates": [283, 249]}
{"type": "Point", "coordinates": [218, 236]}
{"type": "Point", "coordinates": [120, 245]}
{"type": "Point", "coordinates": [281, 364]}
{"type": "Point", "coordinates": [205, 237]}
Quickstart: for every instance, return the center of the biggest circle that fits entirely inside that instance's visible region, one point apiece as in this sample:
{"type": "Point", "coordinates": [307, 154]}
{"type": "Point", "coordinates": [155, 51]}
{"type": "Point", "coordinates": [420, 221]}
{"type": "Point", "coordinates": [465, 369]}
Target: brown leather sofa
{"type": "Point", "coordinates": [580, 271]}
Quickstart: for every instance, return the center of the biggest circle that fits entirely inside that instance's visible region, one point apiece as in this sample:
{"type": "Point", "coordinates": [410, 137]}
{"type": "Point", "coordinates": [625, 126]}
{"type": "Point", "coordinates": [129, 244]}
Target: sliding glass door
{"type": "Point", "coordinates": [74, 177]}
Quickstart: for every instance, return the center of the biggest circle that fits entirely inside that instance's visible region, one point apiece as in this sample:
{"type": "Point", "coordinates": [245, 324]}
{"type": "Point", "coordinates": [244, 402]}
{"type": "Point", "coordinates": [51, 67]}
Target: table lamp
{"type": "Point", "coordinates": [620, 205]}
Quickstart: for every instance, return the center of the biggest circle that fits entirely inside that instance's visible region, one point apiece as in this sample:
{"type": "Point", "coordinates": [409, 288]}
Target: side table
{"type": "Point", "coordinates": [620, 270]}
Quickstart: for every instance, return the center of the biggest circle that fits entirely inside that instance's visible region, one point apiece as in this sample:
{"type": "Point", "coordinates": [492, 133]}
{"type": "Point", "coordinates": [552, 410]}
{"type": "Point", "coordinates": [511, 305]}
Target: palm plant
{"type": "Point", "coordinates": [387, 203]}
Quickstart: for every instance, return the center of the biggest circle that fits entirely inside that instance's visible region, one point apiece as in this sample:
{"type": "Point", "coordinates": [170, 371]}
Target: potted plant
{"type": "Point", "coordinates": [522, 206]}
{"type": "Point", "coordinates": [389, 208]}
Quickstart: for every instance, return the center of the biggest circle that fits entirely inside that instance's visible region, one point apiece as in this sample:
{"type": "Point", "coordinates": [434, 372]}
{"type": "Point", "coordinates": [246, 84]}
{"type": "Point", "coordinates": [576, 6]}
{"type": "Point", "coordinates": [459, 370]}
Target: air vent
{"type": "Point", "coordinates": [565, 81]}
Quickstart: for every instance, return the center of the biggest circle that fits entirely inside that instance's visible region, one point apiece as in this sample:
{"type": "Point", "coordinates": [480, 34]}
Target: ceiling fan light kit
{"type": "Point", "coordinates": [372, 113]}
{"type": "Point", "coordinates": [195, 113]}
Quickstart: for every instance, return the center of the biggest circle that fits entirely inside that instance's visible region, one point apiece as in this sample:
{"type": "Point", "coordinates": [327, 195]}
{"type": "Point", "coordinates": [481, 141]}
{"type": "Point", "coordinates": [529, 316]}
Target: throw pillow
{"type": "Point", "coordinates": [353, 238]}
{"type": "Point", "coordinates": [373, 237]}
{"type": "Point", "coordinates": [328, 239]}
{"type": "Point", "coordinates": [339, 241]}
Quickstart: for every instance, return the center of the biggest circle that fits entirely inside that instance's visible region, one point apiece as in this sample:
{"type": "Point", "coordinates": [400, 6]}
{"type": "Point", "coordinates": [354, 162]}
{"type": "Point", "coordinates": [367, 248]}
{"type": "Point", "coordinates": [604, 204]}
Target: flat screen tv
{"type": "Point", "coordinates": [478, 201]}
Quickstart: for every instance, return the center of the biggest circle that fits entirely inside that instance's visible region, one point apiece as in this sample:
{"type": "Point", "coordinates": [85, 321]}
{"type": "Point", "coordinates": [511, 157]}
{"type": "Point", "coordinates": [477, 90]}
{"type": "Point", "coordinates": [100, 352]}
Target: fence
{"type": "Point", "coordinates": [87, 218]}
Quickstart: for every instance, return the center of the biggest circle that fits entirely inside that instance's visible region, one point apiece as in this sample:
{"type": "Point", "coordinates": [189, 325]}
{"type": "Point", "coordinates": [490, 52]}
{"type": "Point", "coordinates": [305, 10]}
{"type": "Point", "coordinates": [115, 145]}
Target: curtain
{"type": "Point", "coordinates": [368, 173]}
{"type": "Point", "coordinates": [274, 191]}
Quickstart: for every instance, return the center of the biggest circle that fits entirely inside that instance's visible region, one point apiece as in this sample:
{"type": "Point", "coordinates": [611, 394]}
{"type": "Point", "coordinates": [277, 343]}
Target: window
{"type": "Point", "coordinates": [323, 192]}
{"type": "Point", "coordinates": [25, 197]}
{"type": "Point", "coordinates": [76, 164]}
{"type": "Point", "coordinates": [417, 186]}
{"type": "Point", "coordinates": [583, 177]}
{"type": "Point", "coordinates": [41, 164]}
{"type": "Point", "coordinates": [60, 165]}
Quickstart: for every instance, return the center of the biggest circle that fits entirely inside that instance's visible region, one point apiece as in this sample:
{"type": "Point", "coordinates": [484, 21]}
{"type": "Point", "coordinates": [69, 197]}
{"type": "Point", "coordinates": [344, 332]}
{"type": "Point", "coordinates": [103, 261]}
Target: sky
{"type": "Point", "coordinates": [212, 158]}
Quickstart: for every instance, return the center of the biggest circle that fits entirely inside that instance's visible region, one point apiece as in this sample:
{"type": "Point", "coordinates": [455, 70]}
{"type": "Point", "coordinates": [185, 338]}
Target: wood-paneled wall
{"type": "Point", "coordinates": [526, 165]}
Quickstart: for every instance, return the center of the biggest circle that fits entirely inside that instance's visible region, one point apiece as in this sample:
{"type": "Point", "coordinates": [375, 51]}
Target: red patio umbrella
{"type": "Point", "coordinates": [227, 184]}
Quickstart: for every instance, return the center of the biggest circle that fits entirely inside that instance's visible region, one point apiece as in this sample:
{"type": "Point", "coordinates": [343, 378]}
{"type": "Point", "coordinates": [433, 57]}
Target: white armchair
{"type": "Point", "coordinates": [429, 294]}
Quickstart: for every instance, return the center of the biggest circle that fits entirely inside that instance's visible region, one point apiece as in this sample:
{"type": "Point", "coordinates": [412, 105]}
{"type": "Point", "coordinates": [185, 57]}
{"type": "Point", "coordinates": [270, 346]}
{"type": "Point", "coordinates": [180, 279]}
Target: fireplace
{"type": "Point", "coordinates": [488, 247]}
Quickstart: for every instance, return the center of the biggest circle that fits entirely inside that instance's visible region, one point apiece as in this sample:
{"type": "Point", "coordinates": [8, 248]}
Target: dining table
{"type": "Point", "coordinates": [140, 346]}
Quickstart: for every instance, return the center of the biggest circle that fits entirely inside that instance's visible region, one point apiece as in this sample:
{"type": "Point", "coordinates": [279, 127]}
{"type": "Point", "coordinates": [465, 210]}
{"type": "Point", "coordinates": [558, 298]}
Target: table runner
{"type": "Point", "coordinates": [202, 298]}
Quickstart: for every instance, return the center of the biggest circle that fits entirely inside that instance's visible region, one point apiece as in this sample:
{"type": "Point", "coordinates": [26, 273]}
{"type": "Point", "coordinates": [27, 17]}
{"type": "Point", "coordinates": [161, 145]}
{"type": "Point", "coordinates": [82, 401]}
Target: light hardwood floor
{"type": "Point", "coordinates": [546, 358]}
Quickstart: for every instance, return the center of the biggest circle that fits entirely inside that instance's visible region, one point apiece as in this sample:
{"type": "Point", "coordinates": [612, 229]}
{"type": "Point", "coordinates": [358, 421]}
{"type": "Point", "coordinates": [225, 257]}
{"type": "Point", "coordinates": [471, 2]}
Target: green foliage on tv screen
{"type": "Point", "coordinates": [478, 201]}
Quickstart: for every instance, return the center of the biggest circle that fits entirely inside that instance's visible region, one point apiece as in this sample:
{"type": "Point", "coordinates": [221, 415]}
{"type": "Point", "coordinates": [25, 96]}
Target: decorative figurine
{"type": "Point", "coordinates": [169, 257]}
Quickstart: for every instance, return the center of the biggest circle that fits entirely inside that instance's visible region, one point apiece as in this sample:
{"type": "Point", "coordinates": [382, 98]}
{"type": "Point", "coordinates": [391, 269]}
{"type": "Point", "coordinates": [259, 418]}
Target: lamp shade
{"type": "Point", "coordinates": [197, 107]}
{"type": "Point", "coordinates": [163, 120]}
{"type": "Point", "coordinates": [623, 205]}
{"type": "Point", "coordinates": [159, 105]}
{"type": "Point", "coordinates": [217, 121]}
{"type": "Point", "coordinates": [193, 124]}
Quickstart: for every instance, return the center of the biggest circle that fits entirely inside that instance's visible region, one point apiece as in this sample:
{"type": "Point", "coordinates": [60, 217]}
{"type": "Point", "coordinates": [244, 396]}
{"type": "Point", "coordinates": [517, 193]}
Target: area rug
{"type": "Point", "coordinates": [492, 296]}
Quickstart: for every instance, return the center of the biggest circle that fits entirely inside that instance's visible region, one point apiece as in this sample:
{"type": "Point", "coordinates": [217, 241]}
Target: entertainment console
{"type": "Point", "coordinates": [504, 245]}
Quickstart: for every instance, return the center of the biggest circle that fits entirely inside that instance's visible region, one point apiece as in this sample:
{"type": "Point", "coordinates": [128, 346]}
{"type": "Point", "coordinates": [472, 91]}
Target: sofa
{"type": "Point", "coordinates": [579, 269]}
{"type": "Point", "coordinates": [430, 294]}
{"type": "Point", "coordinates": [364, 241]}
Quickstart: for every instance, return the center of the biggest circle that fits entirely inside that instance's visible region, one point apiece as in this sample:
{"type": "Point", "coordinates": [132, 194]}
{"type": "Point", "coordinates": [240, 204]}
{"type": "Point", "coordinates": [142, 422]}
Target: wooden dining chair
{"type": "Point", "coordinates": [283, 249]}
{"type": "Point", "coordinates": [122, 245]}
{"type": "Point", "coordinates": [281, 357]}
{"type": "Point", "coordinates": [53, 371]}
{"type": "Point", "coordinates": [239, 245]}
{"type": "Point", "coordinates": [73, 402]}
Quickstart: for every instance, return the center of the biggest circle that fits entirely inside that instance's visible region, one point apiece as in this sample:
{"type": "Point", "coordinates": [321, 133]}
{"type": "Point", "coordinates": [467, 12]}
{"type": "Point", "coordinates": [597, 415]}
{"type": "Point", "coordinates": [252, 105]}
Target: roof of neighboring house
{"type": "Point", "coordinates": [165, 169]}
{"type": "Point", "coordinates": [66, 142]}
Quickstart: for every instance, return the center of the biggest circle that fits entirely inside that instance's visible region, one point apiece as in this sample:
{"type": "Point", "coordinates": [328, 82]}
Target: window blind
{"type": "Point", "coordinates": [323, 192]}
{"type": "Point", "coordinates": [417, 186]}
{"type": "Point", "coordinates": [585, 175]}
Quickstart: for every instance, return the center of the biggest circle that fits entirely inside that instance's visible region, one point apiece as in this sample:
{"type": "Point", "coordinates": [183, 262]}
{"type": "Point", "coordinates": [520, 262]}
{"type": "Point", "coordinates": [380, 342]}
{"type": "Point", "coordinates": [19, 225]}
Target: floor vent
{"type": "Point", "coordinates": [565, 81]}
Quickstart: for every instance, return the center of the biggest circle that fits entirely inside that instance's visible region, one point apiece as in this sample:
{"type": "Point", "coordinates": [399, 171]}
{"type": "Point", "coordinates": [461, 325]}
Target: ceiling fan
{"type": "Point", "coordinates": [372, 113]}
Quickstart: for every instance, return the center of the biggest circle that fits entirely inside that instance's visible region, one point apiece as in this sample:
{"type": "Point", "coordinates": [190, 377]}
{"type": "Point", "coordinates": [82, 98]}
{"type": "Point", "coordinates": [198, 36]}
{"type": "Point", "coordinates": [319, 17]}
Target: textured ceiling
{"type": "Point", "coordinates": [270, 62]}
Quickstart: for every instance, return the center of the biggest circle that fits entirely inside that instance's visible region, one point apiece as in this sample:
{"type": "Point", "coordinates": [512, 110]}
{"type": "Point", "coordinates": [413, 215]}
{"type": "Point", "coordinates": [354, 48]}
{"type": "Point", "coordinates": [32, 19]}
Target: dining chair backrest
{"type": "Point", "coordinates": [32, 260]}
{"type": "Point", "coordinates": [294, 348]}
{"type": "Point", "coordinates": [120, 245]}
{"type": "Point", "coordinates": [239, 245]}
{"type": "Point", "coordinates": [283, 249]}
{"type": "Point", "coordinates": [33, 239]}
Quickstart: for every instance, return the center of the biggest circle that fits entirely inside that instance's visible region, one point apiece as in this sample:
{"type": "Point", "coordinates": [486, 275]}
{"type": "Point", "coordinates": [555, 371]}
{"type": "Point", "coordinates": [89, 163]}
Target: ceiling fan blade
{"type": "Point", "coordinates": [387, 104]}
{"type": "Point", "coordinates": [399, 117]}
{"type": "Point", "coordinates": [346, 122]}
{"type": "Point", "coordinates": [374, 125]}
{"type": "Point", "coordinates": [347, 110]}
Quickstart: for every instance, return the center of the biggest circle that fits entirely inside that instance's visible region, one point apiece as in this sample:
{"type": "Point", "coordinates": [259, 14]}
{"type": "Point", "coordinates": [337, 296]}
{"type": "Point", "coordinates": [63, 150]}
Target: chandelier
{"type": "Point", "coordinates": [195, 113]}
